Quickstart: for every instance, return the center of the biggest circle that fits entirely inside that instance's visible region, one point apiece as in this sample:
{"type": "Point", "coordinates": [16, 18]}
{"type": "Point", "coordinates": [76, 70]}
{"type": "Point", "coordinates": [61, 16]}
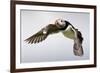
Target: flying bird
{"type": "Point", "coordinates": [66, 28]}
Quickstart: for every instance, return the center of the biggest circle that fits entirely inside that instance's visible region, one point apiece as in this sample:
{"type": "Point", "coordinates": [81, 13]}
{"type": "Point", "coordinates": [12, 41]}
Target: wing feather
{"type": "Point", "coordinates": [40, 36]}
{"type": "Point", "coordinates": [78, 49]}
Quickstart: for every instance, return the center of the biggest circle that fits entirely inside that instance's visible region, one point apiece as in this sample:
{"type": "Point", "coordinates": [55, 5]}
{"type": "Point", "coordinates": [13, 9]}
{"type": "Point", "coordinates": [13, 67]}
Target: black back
{"type": "Point", "coordinates": [67, 23]}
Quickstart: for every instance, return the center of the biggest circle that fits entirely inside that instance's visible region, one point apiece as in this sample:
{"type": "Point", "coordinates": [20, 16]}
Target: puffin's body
{"type": "Point", "coordinates": [67, 29]}
{"type": "Point", "coordinates": [69, 33]}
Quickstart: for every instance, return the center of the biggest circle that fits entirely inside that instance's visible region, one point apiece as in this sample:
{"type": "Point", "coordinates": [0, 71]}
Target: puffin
{"type": "Point", "coordinates": [66, 28]}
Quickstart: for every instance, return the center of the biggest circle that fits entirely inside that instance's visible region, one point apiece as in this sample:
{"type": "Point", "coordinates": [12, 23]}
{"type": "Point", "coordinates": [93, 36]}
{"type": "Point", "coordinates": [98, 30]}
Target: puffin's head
{"type": "Point", "coordinates": [60, 23]}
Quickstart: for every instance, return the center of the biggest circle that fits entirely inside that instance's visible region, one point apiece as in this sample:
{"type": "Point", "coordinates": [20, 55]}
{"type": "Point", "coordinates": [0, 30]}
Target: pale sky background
{"type": "Point", "coordinates": [56, 47]}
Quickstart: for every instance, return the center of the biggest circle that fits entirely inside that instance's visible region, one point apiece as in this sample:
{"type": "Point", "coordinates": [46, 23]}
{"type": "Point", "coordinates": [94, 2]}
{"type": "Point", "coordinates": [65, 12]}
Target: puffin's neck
{"type": "Point", "coordinates": [64, 27]}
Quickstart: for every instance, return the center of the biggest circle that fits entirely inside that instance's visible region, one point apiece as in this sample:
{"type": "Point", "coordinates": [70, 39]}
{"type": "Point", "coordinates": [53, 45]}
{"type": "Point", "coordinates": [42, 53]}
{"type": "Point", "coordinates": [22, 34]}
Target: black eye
{"type": "Point", "coordinates": [61, 21]}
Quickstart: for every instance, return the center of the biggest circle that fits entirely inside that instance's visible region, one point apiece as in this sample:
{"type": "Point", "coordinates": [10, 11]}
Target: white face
{"type": "Point", "coordinates": [60, 23]}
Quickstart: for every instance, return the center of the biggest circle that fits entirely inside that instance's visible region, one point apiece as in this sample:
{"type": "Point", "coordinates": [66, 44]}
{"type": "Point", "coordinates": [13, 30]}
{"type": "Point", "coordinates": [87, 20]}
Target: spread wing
{"type": "Point", "coordinates": [42, 34]}
{"type": "Point", "coordinates": [78, 49]}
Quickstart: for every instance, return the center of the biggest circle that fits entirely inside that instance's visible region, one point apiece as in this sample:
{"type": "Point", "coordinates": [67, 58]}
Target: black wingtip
{"type": "Point", "coordinates": [32, 41]}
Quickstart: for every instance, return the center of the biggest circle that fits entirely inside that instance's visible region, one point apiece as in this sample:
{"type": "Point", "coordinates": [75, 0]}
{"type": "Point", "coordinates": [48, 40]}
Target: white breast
{"type": "Point", "coordinates": [69, 32]}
